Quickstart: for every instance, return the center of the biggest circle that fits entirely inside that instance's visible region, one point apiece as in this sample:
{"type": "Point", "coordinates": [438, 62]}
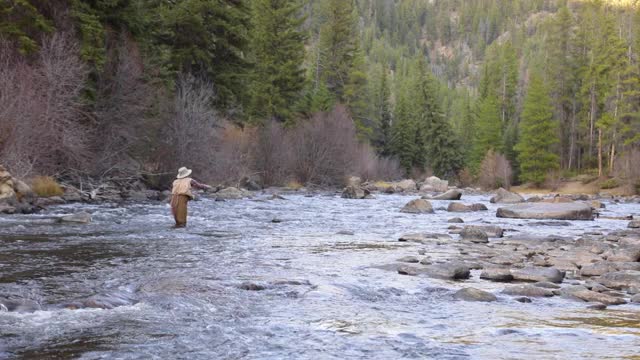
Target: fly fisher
{"type": "Point", "coordinates": [181, 195]}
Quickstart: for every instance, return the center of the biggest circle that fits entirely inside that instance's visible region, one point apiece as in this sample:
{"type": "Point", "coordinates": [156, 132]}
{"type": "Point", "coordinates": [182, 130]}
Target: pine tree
{"type": "Point", "coordinates": [278, 52]}
{"type": "Point", "coordinates": [403, 132]}
{"type": "Point", "coordinates": [538, 134]}
{"type": "Point", "coordinates": [382, 113]}
{"type": "Point", "coordinates": [488, 129]}
{"type": "Point", "coordinates": [21, 21]}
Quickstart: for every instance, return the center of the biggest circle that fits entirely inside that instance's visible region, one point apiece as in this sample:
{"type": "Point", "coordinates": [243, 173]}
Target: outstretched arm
{"type": "Point", "coordinates": [198, 185]}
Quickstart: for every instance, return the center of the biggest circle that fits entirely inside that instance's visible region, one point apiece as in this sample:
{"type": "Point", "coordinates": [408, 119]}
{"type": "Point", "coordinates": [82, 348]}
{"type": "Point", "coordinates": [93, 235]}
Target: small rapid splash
{"type": "Point", "coordinates": [236, 284]}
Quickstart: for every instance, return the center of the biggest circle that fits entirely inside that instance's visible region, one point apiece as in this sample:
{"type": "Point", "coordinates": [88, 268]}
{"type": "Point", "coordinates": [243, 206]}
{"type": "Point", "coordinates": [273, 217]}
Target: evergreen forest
{"type": "Point", "coordinates": [489, 92]}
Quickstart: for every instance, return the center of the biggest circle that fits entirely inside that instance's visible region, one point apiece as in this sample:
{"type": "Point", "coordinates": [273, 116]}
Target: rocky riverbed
{"type": "Point", "coordinates": [318, 276]}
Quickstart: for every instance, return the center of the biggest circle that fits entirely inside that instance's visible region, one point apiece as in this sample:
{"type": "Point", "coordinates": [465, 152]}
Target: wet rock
{"type": "Point", "coordinates": [418, 206]}
{"type": "Point", "coordinates": [474, 234]}
{"type": "Point", "coordinates": [582, 293]}
{"type": "Point", "coordinates": [425, 237]}
{"type": "Point", "coordinates": [276, 197]}
{"type": "Point", "coordinates": [434, 184]}
{"type": "Point", "coordinates": [507, 259]}
{"type": "Point", "coordinates": [598, 269]}
{"type": "Point", "coordinates": [506, 197]}
{"type": "Point", "coordinates": [451, 270]}
{"type": "Point", "coordinates": [491, 230]}
{"type": "Point", "coordinates": [471, 294]}
{"type": "Point", "coordinates": [251, 183]}
{"type": "Point", "coordinates": [251, 286]}
{"type": "Point", "coordinates": [345, 232]}
{"type": "Point", "coordinates": [597, 307]}
{"type": "Point", "coordinates": [426, 261]}
{"type": "Point", "coordinates": [535, 198]}
{"type": "Point", "coordinates": [528, 291]}
{"type": "Point", "coordinates": [635, 224]}
{"type": "Point", "coordinates": [559, 211]}
{"type": "Point", "coordinates": [595, 204]}
{"type": "Point", "coordinates": [20, 306]}
{"type": "Point", "coordinates": [78, 218]}
{"type": "Point", "coordinates": [635, 299]}
{"type": "Point", "coordinates": [546, 285]}
{"type": "Point", "coordinates": [462, 208]}
{"type": "Point", "coordinates": [538, 274]}
{"type": "Point", "coordinates": [496, 274]}
{"type": "Point", "coordinates": [456, 220]}
{"type": "Point", "coordinates": [452, 194]}
{"type": "Point", "coordinates": [620, 279]}
{"type": "Point", "coordinates": [409, 259]}
{"type": "Point", "coordinates": [352, 192]}
{"type": "Point", "coordinates": [524, 300]}
{"type": "Point", "coordinates": [408, 270]}
{"type": "Point", "coordinates": [230, 193]}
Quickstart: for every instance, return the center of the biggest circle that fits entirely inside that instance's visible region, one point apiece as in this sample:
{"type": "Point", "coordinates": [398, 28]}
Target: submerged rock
{"type": "Point", "coordinates": [471, 294]}
{"type": "Point", "coordinates": [418, 206]}
{"type": "Point", "coordinates": [251, 286]}
{"type": "Point", "coordinates": [79, 218]}
{"type": "Point", "coordinates": [557, 211]}
{"type": "Point", "coordinates": [506, 197]}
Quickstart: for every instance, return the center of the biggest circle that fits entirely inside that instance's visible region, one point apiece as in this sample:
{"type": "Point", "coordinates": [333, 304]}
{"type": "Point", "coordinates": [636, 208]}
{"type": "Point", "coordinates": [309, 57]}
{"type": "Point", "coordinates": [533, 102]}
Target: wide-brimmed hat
{"type": "Point", "coordinates": [183, 172]}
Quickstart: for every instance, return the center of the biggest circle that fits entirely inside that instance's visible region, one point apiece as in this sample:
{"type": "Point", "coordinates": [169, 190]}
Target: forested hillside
{"type": "Point", "coordinates": [488, 91]}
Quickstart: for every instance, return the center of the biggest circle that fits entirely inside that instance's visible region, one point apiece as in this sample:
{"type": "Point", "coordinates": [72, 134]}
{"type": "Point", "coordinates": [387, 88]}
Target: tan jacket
{"type": "Point", "coordinates": [182, 187]}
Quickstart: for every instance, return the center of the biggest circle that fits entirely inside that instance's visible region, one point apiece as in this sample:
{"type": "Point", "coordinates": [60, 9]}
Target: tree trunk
{"type": "Point", "coordinates": [600, 152]}
{"type": "Point", "coordinates": [612, 158]}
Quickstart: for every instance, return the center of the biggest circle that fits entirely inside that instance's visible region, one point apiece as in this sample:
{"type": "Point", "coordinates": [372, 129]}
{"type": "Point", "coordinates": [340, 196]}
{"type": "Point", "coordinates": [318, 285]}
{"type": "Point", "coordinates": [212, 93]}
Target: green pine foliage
{"type": "Point", "coordinates": [538, 134]}
{"type": "Point", "coordinates": [277, 45]}
{"type": "Point", "coordinates": [21, 21]}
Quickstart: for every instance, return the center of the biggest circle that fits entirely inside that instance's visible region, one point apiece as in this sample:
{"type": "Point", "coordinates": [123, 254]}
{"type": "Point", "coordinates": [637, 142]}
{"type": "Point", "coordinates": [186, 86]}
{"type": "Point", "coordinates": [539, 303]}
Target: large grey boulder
{"type": "Point", "coordinates": [452, 194]}
{"type": "Point", "coordinates": [635, 224]}
{"type": "Point", "coordinates": [496, 274]}
{"type": "Point", "coordinates": [620, 279]}
{"type": "Point", "coordinates": [450, 270]}
{"type": "Point", "coordinates": [532, 273]}
{"type": "Point", "coordinates": [490, 230]}
{"type": "Point", "coordinates": [230, 193]}
{"type": "Point", "coordinates": [556, 211]}
{"type": "Point", "coordinates": [434, 184]}
{"type": "Point", "coordinates": [418, 206]}
{"type": "Point", "coordinates": [461, 208]}
{"type": "Point", "coordinates": [506, 197]}
{"type": "Point", "coordinates": [471, 294]}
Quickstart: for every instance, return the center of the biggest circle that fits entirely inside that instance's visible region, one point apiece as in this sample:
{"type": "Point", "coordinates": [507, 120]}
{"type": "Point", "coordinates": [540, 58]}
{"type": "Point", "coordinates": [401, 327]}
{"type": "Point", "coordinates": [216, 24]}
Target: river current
{"type": "Point", "coordinates": [300, 278]}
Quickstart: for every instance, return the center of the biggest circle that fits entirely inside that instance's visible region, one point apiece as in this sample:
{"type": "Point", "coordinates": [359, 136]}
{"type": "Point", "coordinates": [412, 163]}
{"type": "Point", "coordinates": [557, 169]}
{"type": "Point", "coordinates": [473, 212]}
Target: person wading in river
{"type": "Point", "coordinates": [181, 194]}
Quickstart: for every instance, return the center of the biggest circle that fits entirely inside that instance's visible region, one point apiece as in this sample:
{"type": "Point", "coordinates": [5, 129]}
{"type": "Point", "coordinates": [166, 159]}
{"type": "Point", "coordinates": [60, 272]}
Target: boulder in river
{"type": "Point", "coordinates": [532, 273]}
{"type": "Point", "coordinates": [78, 218]}
{"type": "Point", "coordinates": [434, 184]}
{"type": "Point", "coordinates": [635, 299]}
{"type": "Point", "coordinates": [455, 220]}
{"type": "Point", "coordinates": [582, 293]}
{"type": "Point", "coordinates": [409, 259]}
{"type": "Point", "coordinates": [474, 234]}
{"type": "Point", "coordinates": [418, 206]}
{"type": "Point", "coordinates": [557, 211]}
{"type": "Point", "coordinates": [461, 208]}
{"type": "Point", "coordinates": [620, 279]}
{"type": "Point", "coordinates": [425, 237]}
{"type": "Point", "coordinates": [496, 274]}
{"type": "Point", "coordinates": [471, 294]}
{"type": "Point", "coordinates": [528, 290]}
{"type": "Point", "coordinates": [452, 194]}
{"type": "Point", "coordinates": [450, 270]}
{"type": "Point", "coordinates": [506, 197]}
{"type": "Point", "coordinates": [492, 231]}
{"type": "Point", "coordinates": [406, 185]}
{"type": "Point", "coordinates": [635, 224]}
{"type": "Point", "coordinates": [354, 192]}
{"type": "Point", "coordinates": [230, 193]}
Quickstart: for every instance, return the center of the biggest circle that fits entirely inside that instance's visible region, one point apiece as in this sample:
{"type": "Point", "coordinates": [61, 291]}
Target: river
{"type": "Point", "coordinates": [301, 278]}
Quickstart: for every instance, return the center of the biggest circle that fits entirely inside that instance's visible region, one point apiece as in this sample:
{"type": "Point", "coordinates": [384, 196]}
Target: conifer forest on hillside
{"type": "Point", "coordinates": [490, 92]}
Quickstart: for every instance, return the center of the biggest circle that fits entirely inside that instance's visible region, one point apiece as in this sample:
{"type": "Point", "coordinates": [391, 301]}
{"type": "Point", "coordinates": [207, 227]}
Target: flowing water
{"type": "Point", "coordinates": [325, 293]}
